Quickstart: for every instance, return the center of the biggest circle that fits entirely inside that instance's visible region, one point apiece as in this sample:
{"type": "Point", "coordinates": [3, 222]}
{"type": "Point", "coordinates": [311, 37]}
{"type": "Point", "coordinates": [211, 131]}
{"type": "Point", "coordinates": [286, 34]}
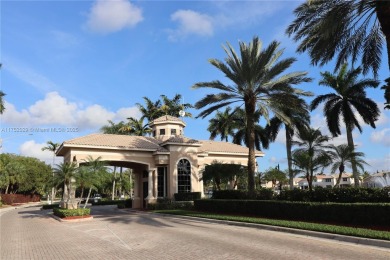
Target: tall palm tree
{"type": "Point", "coordinates": [222, 124]}
{"type": "Point", "coordinates": [52, 147]}
{"type": "Point", "coordinates": [136, 127]}
{"type": "Point", "coordinates": [343, 156]}
{"type": "Point", "coordinates": [299, 120]}
{"type": "Point", "coordinates": [350, 97]}
{"type": "Point", "coordinates": [257, 85]}
{"type": "Point", "coordinates": [346, 29]}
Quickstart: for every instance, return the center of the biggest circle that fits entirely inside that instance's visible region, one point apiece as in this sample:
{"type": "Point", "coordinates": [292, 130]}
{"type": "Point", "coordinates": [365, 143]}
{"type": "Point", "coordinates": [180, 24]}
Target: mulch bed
{"type": "Point", "coordinates": [76, 217]}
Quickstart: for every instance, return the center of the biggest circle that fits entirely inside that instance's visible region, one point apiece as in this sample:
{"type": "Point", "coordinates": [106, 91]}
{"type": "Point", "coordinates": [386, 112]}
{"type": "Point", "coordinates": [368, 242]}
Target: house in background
{"type": "Point", "coordinates": [327, 181]}
{"type": "Point", "coordinates": [377, 180]}
{"type": "Point", "coordinates": [163, 165]}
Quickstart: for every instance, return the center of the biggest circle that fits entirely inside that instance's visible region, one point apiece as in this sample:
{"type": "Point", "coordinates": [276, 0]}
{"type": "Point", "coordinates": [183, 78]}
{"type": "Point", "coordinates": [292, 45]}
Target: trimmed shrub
{"type": "Point", "coordinates": [50, 206]}
{"type": "Point", "coordinates": [125, 204]}
{"type": "Point", "coordinates": [187, 196]}
{"type": "Point", "coordinates": [63, 213]}
{"type": "Point", "coordinates": [111, 202]}
{"type": "Point", "coordinates": [10, 199]}
{"type": "Point", "coordinates": [342, 195]}
{"type": "Point", "coordinates": [166, 203]}
{"type": "Point", "coordinates": [362, 214]}
{"type": "Point", "coordinates": [261, 194]}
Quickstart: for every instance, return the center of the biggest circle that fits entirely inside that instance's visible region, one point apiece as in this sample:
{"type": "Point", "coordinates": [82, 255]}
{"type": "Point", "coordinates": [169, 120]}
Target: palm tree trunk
{"type": "Point", "coordinates": [89, 194]}
{"type": "Point", "coordinates": [383, 13]}
{"type": "Point", "coordinates": [352, 147]}
{"type": "Point", "coordinates": [289, 157]}
{"type": "Point", "coordinates": [250, 131]}
{"type": "Point", "coordinates": [113, 184]}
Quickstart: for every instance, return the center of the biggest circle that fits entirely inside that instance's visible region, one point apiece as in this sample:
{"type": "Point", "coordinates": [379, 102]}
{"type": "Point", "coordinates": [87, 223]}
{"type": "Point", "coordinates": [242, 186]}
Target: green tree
{"type": "Point", "coordinates": [218, 174]}
{"type": "Point", "coordinates": [136, 127]}
{"type": "Point", "coordinates": [241, 135]}
{"type": "Point", "coordinates": [64, 173]}
{"type": "Point", "coordinates": [350, 97]}
{"type": "Point", "coordinates": [173, 106]}
{"type": "Point", "coordinates": [52, 147]}
{"type": "Point", "coordinates": [312, 152]}
{"type": "Point", "coordinates": [151, 110]}
{"type": "Point", "coordinates": [343, 156]}
{"type": "Point", "coordinates": [222, 124]}
{"type": "Point", "coordinates": [95, 168]}
{"type": "Point", "coordinates": [257, 85]}
{"type": "Point", "coordinates": [275, 176]}
{"type": "Point", "coordinates": [346, 29]}
{"type": "Point", "coordinates": [299, 119]}
{"type": "Point", "coordinates": [113, 128]}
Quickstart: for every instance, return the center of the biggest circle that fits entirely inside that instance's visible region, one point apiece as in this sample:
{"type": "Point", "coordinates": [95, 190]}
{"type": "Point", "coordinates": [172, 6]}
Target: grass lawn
{"type": "Point", "coordinates": [334, 229]}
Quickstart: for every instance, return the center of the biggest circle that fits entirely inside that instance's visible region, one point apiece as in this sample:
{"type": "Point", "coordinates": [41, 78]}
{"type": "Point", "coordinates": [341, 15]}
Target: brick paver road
{"type": "Point", "coordinates": [30, 233]}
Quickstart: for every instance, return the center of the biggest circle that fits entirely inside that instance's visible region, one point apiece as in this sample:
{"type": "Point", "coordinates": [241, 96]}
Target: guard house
{"type": "Point", "coordinates": [164, 164]}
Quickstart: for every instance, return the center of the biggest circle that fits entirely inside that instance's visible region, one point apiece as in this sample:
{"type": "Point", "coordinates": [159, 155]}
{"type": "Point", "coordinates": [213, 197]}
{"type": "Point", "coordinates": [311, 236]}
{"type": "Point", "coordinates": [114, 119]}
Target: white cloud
{"type": "Point", "coordinates": [33, 149]}
{"type": "Point", "coordinates": [64, 39]}
{"type": "Point", "coordinates": [107, 16]}
{"type": "Point", "coordinates": [382, 136]}
{"type": "Point", "coordinates": [378, 164]}
{"type": "Point", "coordinates": [191, 22]}
{"type": "Point", "coordinates": [57, 110]}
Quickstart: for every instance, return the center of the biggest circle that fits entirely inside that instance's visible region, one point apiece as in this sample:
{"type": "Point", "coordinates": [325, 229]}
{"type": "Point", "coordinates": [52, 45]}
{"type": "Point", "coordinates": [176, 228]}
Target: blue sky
{"type": "Point", "coordinates": [69, 66]}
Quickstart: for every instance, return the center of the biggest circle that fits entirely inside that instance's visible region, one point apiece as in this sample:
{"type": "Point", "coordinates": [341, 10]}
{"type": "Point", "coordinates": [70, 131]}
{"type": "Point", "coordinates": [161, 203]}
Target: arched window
{"type": "Point", "coordinates": [184, 176]}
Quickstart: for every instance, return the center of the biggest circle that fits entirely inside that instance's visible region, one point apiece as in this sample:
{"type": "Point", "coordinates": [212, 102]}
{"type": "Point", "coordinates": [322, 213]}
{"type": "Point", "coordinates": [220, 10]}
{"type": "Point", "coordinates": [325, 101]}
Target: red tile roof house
{"type": "Point", "coordinates": [164, 164]}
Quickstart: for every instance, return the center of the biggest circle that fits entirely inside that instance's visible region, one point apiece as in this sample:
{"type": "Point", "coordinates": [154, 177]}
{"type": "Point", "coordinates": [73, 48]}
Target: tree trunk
{"type": "Point", "coordinates": [89, 194]}
{"type": "Point", "coordinates": [351, 145]}
{"type": "Point", "coordinates": [289, 157]}
{"type": "Point", "coordinates": [382, 9]}
{"type": "Point", "coordinates": [113, 184]}
{"type": "Point", "coordinates": [250, 106]}
{"type": "Point", "coordinates": [341, 170]}
{"type": "Point", "coordinates": [6, 190]}
{"type": "Point", "coordinates": [81, 196]}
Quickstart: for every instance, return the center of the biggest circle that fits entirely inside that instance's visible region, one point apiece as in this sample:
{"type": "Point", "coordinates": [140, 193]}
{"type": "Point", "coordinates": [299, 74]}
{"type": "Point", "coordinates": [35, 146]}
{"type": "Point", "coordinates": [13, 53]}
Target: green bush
{"type": "Point", "coordinates": [362, 214]}
{"type": "Point", "coordinates": [166, 203]}
{"type": "Point", "coordinates": [50, 206]}
{"type": "Point", "coordinates": [63, 213]}
{"type": "Point", "coordinates": [261, 194]}
{"type": "Point", "coordinates": [125, 204]}
{"type": "Point", "coordinates": [342, 195]}
{"type": "Point", "coordinates": [111, 202]}
{"type": "Point", "coordinates": [187, 196]}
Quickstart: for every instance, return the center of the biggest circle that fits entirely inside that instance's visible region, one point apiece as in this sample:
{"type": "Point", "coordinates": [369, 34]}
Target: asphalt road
{"type": "Point", "coordinates": [30, 233]}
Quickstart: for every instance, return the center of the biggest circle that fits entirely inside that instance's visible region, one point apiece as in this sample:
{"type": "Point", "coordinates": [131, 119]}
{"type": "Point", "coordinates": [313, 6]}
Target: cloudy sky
{"type": "Point", "coordinates": [69, 66]}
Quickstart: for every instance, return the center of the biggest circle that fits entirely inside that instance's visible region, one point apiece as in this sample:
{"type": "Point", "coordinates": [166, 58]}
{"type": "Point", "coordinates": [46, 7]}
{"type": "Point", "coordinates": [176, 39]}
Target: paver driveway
{"type": "Point", "coordinates": [30, 233]}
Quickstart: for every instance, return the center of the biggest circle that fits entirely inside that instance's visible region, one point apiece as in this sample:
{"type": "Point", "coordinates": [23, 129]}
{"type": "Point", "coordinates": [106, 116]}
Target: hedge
{"type": "Point", "coordinates": [111, 202]}
{"type": "Point", "coordinates": [362, 214]}
{"type": "Point", "coordinates": [50, 206]}
{"type": "Point", "coordinates": [63, 213]}
{"type": "Point", "coordinates": [166, 203]}
{"type": "Point", "coordinates": [10, 199]}
{"type": "Point", "coordinates": [125, 204]}
{"type": "Point", "coordinates": [261, 194]}
{"type": "Point", "coordinates": [187, 196]}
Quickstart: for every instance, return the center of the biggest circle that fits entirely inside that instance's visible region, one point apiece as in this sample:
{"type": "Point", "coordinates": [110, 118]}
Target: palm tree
{"type": "Point", "coordinates": [52, 147]}
{"type": "Point", "coordinates": [387, 93]}
{"type": "Point", "coordinates": [2, 107]}
{"type": "Point", "coordinates": [136, 127]}
{"type": "Point", "coordinates": [299, 120]}
{"type": "Point", "coordinates": [222, 124]}
{"type": "Point", "coordinates": [95, 167]}
{"type": "Point", "coordinates": [308, 164]}
{"type": "Point", "coordinates": [2, 94]}
{"type": "Point", "coordinates": [343, 156]}
{"type": "Point", "coordinates": [348, 29]}
{"type": "Point", "coordinates": [240, 135]}
{"type": "Point", "coordinates": [173, 106]}
{"type": "Point", "coordinates": [65, 173]}
{"type": "Point", "coordinates": [312, 152]}
{"type": "Point", "coordinates": [350, 96]}
{"type": "Point", "coordinates": [257, 85]}
{"type": "Point", "coordinates": [113, 128]}
{"type": "Point", "coordinates": [151, 110]}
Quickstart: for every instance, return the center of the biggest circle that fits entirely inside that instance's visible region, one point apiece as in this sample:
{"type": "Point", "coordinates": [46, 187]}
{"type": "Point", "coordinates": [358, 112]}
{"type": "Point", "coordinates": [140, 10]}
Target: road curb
{"type": "Point", "coordinates": [342, 238]}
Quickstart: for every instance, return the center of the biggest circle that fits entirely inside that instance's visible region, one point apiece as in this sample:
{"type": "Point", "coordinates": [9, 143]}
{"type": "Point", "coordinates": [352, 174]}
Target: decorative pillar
{"type": "Point", "coordinates": [150, 198]}
{"type": "Point", "coordinates": [136, 198]}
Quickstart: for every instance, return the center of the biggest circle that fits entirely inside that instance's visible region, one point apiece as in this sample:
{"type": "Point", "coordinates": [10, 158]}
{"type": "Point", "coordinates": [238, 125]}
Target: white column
{"type": "Point", "coordinates": [150, 185]}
